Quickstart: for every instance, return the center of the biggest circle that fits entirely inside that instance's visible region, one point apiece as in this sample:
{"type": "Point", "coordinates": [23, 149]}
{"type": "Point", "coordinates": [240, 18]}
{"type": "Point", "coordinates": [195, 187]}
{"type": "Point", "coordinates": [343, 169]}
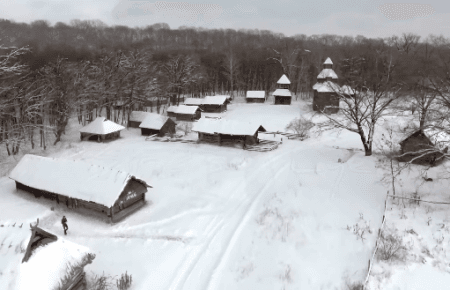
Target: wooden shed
{"type": "Point", "coordinates": [185, 113]}
{"type": "Point", "coordinates": [101, 129]}
{"type": "Point", "coordinates": [282, 94]}
{"type": "Point", "coordinates": [256, 96]}
{"type": "Point", "coordinates": [79, 184]}
{"type": "Point", "coordinates": [157, 124]}
{"type": "Point", "coordinates": [424, 146]}
{"type": "Point", "coordinates": [325, 90]}
{"type": "Point", "coordinates": [136, 118]}
{"type": "Point", "coordinates": [25, 267]}
{"type": "Point", "coordinates": [226, 131]}
{"type": "Point", "coordinates": [214, 104]}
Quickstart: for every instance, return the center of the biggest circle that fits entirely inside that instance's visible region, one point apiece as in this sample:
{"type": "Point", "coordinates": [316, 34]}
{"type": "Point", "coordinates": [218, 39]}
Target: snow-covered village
{"type": "Point", "coordinates": [222, 157]}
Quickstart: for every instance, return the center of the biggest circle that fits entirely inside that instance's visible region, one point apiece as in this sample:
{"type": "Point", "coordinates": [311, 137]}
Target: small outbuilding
{"type": "Point", "coordinates": [256, 96]}
{"type": "Point", "coordinates": [33, 258]}
{"type": "Point", "coordinates": [136, 118]}
{"type": "Point", "coordinates": [185, 113]}
{"type": "Point", "coordinates": [326, 98]}
{"type": "Point", "coordinates": [193, 102]}
{"type": "Point", "coordinates": [214, 104]}
{"type": "Point", "coordinates": [101, 129]}
{"type": "Point", "coordinates": [425, 146]}
{"type": "Point", "coordinates": [221, 131]}
{"type": "Point", "coordinates": [157, 124]}
{"type": "Point", "coordinates": [114, 193]}
{"type": "Point", "coordinates": [282, 94]}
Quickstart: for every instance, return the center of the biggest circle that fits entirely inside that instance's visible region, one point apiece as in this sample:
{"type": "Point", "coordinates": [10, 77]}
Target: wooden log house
{"type": "Point", "coordinates": [157, 124]}
{"type": "Point", "coordinates": [282, 94]}
{"type": "Point", "coordinates": [184, 113]}
{"type": "Point", "coordinates": [77, 184]}
{"type": "Point", "coordinates": [255, 96]}
{"type": "Point", "coordinates": [326, 98]}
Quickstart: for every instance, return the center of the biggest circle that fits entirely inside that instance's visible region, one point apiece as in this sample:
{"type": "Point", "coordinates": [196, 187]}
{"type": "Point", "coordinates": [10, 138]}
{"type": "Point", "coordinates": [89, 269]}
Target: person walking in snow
{"type": "Point", "coordinates": [64, 224]}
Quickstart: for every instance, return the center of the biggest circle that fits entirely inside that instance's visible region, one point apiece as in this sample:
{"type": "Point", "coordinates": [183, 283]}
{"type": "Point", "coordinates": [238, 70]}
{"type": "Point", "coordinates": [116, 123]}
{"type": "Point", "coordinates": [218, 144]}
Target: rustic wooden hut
{"type": "Point", "coordinates": [193, 102]}
{"type": "Point", "coordinates": [50, 267]}
{"type": "Point", "coordinates": [221, 131]}
{"type": "Point", "coordinates": [78, 184]}
{"type": "Point", "coordinates": [214, 104]}
{"type": "Point", "coordinates": [157, 124]}
{"type": "Point", "coordinates": [256, 96]}
{"type": "Point", "coordinates": [325, 90]}
{"type": "Point", "coordinates": [185, 113]}
{"type": "Point", "coordinates": [136, 118]}
{"type": "Point", "coordinates": [427, 142]}
{"type": "Point", "coordinates": [282, 94]}
{"type": "Point", "coordinates": [101, 129]}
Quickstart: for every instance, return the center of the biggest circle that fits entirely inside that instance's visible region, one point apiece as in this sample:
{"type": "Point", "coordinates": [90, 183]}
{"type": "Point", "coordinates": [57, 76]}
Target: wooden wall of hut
{"type": "Point", "coordinates": [214, 108]}
{"type": "Point", "coordinates": [280, 100]}
{"type": "Point", "coordinates": [417, 143]}
{"type": "Point", "coordinates": [210, 138]}
{"type": "Point", "coordinates": [134, 124]}
{"type": "Point", "coordinates": [148, 132]}
{"type": "Point", "coordinates": [255, 100]}
{"type": "Point", "coordinates": [321, 100]}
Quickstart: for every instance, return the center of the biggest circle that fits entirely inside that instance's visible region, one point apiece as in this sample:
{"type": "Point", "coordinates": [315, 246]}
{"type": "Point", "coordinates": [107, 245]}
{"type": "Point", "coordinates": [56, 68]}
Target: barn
{"type": "Point", "coordinates": [256, 96]}
{"type": "Point", "coordinates": [157, 124]}
{"type": "Point", "coordinates": [185, 113]}
{"type": "Point", "coordinates": [282, 94]}
{"type": "Point", "coordinates": [101, 129]}
{"type": "Point", "coordinates": [325, 90]}
{"type": "Point", "coordinates": [420, 143]}
{"type": "Point", "coordinates": [136, 118]}
{"type": "Point", "coordinates": [33, 258]}
{"type": "Point", "coordinates": [227, 131]}
{"type": "Point", "coordinates": [113, 193]}
{"type": "Point", "coordinates": [214, 104]}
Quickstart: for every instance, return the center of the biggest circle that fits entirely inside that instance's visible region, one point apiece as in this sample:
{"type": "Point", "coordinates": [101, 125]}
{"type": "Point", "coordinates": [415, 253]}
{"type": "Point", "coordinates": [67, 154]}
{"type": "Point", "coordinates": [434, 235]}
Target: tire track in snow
{"type": "Point", "coordinates": [179, 282]}
{"type": "Point", "coordinates": [212, 282]}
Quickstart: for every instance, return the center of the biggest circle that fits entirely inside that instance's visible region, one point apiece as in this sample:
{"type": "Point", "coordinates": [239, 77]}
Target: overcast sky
{"type": "Point", "coordinates": [371, 18]}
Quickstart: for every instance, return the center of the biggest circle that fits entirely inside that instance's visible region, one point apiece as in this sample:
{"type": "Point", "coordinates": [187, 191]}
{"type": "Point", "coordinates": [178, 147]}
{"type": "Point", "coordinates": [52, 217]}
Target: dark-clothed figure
{"type": "Point", "coordinates": [64, 224]}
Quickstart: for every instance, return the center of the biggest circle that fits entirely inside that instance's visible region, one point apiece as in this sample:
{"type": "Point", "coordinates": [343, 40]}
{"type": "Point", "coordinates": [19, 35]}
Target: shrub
{"type": "Point", "coordinates": [300, 126]}
{"type": "Point", "coordinates": [391, 246]}
{"type": "Point", "coordinates": [124, 283]}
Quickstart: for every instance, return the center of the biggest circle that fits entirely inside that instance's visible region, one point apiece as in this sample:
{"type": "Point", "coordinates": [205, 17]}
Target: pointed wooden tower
{"type": "Point", "coordinates": [282, 94]}
{"type": "Point", "coordinates": [325, 97]}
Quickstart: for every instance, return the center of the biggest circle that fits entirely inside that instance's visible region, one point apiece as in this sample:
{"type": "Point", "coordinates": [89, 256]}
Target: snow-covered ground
{"type": "Point", "coordinates": [225, 218]}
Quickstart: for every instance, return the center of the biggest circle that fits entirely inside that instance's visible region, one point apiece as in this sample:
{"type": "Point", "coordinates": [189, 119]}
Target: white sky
{"type": "Point", "coordinates": [371, 18]}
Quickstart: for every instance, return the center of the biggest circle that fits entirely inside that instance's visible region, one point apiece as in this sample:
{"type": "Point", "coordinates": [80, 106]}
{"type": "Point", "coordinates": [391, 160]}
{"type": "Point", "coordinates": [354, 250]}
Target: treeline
{"type": "Point", "coordinates": [47, 73]}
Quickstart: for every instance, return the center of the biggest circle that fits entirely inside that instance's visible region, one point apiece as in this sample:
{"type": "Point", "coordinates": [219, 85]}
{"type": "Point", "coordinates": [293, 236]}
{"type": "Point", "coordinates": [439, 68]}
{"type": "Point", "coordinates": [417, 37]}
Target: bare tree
{"type": "Point", "coordinates": [361, 112]}
{"type": "Point", "coordinates": [231, 66]}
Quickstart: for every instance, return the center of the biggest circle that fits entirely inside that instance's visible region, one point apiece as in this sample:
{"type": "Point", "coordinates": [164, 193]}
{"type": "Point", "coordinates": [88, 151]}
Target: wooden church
{"type": "Point", "coordinates": [326, 99]}
{"type": "Point", "coordinates": [282, 94]}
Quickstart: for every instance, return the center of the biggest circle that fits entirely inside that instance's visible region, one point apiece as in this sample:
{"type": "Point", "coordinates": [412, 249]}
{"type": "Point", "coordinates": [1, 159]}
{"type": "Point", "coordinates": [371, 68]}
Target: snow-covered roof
{"type": "Point", "coordinates": [193, 101]}
{"type": "Point", "coordinates": [284, 80]}
{"type": "Point", "coordinates": [328, 61]}
{"type": "Point", "coordinates": [439, 138]}
{"type": "Point", "coordinates": [327, 72]}
{"type": "Point", "coordinates": [256, 94]}
{"type": "Point", "coordinates": [214, 100]}
{"type": "Point", "coordinates": [101, 126]}
{"type": "Point", "coordinates": [347, 90]}
{"type": "Point", "coordinates": [328, 87]}
{"type": "Point", "coordinates": [153, 121]}
{"type": "Point", "coordinates": [56, 256]}
{"type": "Point", "coordinates": [187, 110]}
{"type": "Point", "coordinates": [138, 116]}
{"type": "Point", "coordinates": [72, 178]}
{"type": "Point", "coordinates": [282, 93]}
{"type": "Point", "coordinates": [229, 127]}
{"type": "Point", "coordinates": [317, 85]}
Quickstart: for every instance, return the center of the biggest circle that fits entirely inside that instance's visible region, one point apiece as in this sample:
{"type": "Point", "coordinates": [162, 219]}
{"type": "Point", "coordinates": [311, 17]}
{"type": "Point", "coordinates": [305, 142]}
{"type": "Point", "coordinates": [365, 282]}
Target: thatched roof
{"type": "Point", "coordinates": [215, 100]}
{"type": "Point", "coordinates": [228, 127]}
{"type": "Point", "coordinates": [256, 94]}
{"type": "Point", "coordinates": [47, 264]}
{"type": "Point", "coordinates": [72, 178]}
{"type": "Point", "coordinates": [101, 126]}
{"type": "Point", "coordinates": [437, 138]}
{"type": "Point", "coordinates": [282, 93]}
{"type": "Point", "coordinates": [153, 121]}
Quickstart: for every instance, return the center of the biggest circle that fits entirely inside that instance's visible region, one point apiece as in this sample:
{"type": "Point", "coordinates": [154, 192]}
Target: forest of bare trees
{"type": "Point", "coordinates": [49, 73]}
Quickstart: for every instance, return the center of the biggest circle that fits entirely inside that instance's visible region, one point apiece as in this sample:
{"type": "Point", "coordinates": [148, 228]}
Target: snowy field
{"type": "Point", "coordinates": [225, 218]}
